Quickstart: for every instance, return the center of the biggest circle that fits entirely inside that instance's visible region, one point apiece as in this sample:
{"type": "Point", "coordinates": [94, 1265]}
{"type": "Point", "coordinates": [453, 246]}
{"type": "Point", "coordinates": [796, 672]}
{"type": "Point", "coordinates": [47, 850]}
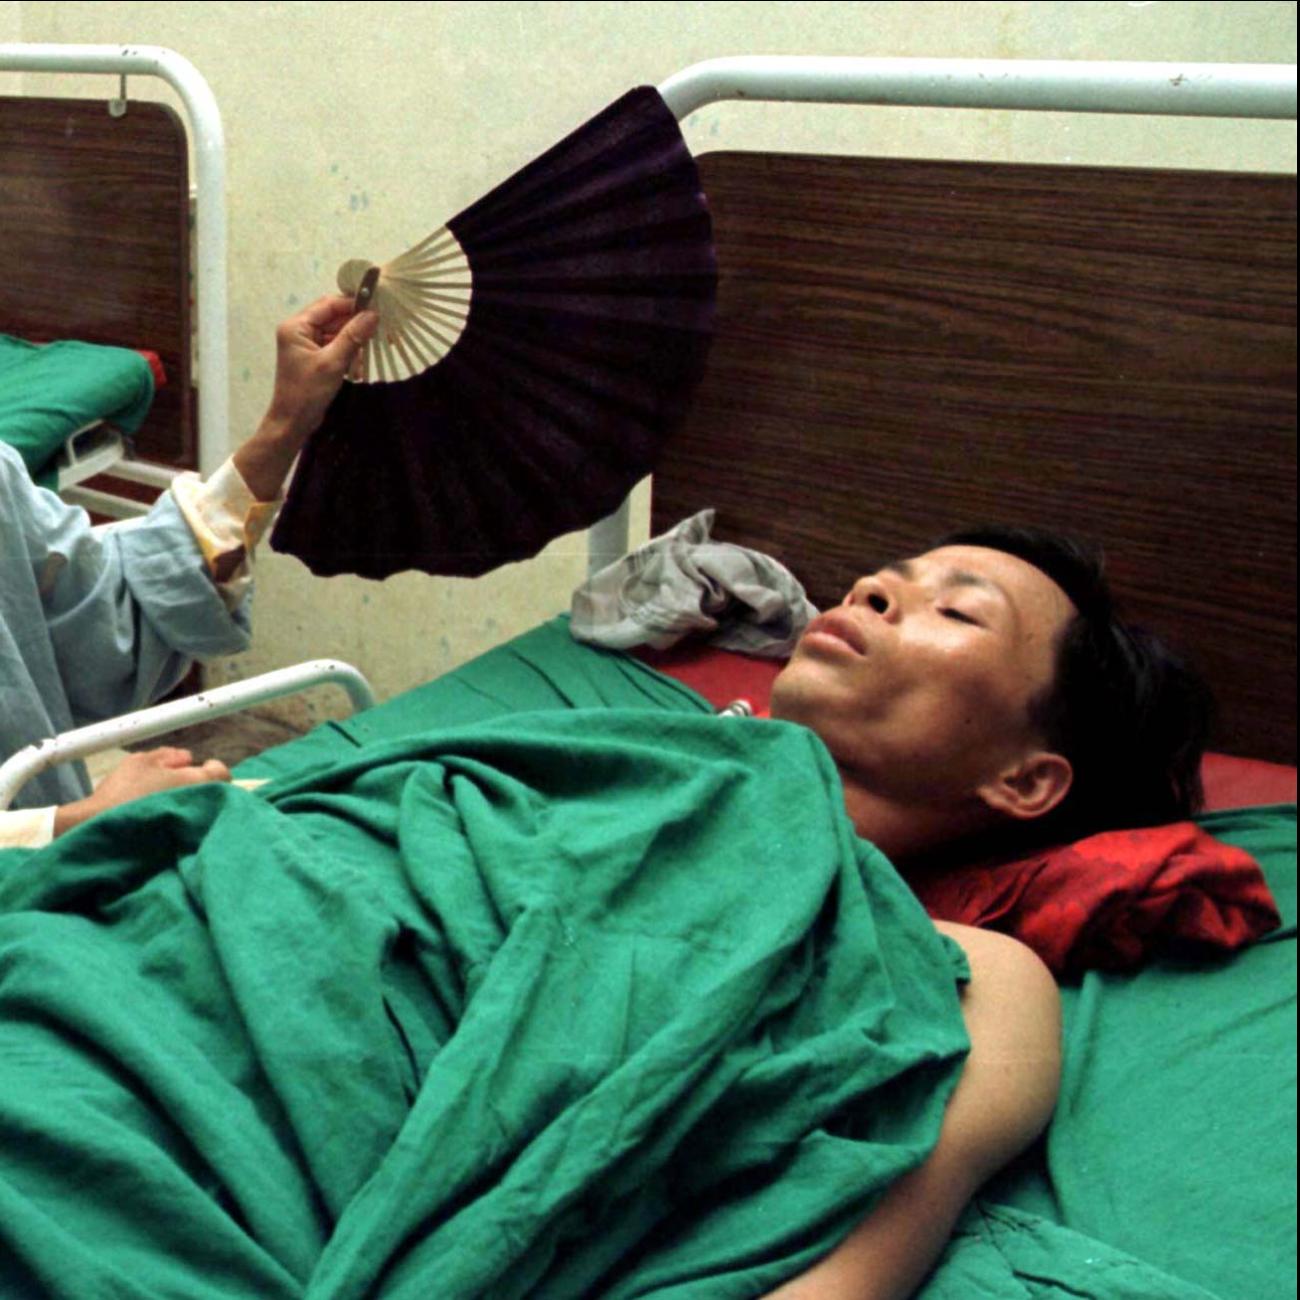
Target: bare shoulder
{"type": "Point", "coordinates": [1002, 963]}
{"type": "Point", "coordinates": [1012, 1003]}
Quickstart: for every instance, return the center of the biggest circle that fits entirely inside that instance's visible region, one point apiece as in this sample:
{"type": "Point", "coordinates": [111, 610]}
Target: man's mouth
{"type": "Point", "coordinates": [835, 625]}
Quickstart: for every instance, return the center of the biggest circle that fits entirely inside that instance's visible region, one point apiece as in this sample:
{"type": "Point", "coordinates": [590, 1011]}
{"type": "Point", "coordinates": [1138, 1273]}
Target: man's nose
{"type": "Point", "coordinates": [876, 594]}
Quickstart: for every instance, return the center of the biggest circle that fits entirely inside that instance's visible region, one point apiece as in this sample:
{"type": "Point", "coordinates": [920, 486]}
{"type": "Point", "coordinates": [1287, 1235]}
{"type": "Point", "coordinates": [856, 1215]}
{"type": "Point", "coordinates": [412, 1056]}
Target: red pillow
{"type": "Point", "coordinates": [1245, 782]}
{"type": "Point", "coordinates": [1114, 901]}
{"type": "Point", "coordinates": [1108, 902]}
{"type": "Point", "coordinates": [721, 676]}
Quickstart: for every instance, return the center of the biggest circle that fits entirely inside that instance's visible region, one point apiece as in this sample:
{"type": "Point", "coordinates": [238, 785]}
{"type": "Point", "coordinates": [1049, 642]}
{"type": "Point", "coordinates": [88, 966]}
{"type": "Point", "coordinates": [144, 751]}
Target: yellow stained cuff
{"type": "Point", "coordinates": [225, 517]}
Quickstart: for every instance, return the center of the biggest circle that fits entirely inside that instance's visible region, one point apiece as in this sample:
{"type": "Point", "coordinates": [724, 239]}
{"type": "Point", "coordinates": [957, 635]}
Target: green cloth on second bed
{"type": "Point", "coordinates": [49, 392]}
{"type": "Point", "coordinates": [532, 1008]}
{"type": "Point", "coordinates": [1189, 1068]}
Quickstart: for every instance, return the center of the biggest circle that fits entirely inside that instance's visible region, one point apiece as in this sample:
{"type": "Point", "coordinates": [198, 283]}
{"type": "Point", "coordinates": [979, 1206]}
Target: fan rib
{"type": "Point", "coordinates": [423, 300]}
{"type": "Point", "coordinates": [441, 343]}
{"type": "Point", "coordinates": [401, 266]}
{"type": "Point", "coordinates": [409, 365]}
{"type": "Point", "coordinates": [442, 238]}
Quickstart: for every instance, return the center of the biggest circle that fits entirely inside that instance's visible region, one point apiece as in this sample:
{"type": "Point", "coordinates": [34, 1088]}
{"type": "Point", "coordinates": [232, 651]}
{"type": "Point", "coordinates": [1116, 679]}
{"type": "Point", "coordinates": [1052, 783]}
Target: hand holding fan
{"type": "Point", "coordinates": [531, 357]}
{"type": "Point", "coordinates": [422, 300]}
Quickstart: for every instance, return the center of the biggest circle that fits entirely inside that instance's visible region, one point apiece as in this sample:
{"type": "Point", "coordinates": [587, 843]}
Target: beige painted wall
{"type": "Point", "coordinates": [354, 128]}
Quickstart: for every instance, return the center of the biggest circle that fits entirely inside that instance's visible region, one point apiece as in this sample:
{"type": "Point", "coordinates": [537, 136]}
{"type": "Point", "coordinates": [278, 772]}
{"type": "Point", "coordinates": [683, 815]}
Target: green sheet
{"type": "Point", "coordinates": [530, 1008]}
{"type": "Point", "coordinates": [48, 393]}
{"type": "Point", "coordinates": [543, 668]}
{"type": "Point", "coordinates": [1181, 1097]}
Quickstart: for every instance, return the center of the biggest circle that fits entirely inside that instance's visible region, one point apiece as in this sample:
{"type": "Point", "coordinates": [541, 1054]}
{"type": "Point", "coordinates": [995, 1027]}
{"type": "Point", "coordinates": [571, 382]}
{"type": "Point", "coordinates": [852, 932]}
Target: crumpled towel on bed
{"type": "Point", "coordinates": [684, 582]}
{"type": "Point", "coordinates": [531, 1008]}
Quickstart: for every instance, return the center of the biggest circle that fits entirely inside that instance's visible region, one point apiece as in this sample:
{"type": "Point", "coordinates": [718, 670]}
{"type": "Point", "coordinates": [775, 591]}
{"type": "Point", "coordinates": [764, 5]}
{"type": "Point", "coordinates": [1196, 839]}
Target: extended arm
{"type": "Point", "coordinates": [314, 351]}
{"type": "Point", "coordinates": [98, 622]}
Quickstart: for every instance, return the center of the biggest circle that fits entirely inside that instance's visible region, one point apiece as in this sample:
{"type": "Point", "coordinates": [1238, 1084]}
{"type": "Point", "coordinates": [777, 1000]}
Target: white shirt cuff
{"type": "Point", "coordinates": [26, 828]}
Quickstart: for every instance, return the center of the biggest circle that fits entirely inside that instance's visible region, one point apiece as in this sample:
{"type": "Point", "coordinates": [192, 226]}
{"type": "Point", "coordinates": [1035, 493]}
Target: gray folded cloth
{"type": "Point", "coordinates": [684, 582]}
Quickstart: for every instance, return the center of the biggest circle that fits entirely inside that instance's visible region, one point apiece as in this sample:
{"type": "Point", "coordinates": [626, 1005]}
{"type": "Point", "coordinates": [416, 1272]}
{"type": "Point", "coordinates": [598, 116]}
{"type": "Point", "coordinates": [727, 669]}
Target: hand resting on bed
{"type": "Point", "coordinates": [136, 776]}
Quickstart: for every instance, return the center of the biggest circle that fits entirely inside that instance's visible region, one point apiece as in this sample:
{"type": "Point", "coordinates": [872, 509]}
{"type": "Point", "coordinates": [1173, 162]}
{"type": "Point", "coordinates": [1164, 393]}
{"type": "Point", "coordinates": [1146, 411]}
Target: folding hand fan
{"type": "Point", "coordinates": [531, 357]}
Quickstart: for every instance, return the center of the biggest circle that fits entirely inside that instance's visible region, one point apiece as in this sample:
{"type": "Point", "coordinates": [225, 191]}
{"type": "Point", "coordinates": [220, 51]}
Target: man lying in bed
{"type": "Point", "coordinates": [96, 625]}
{"type": "Point", "coordinates": [986, 691]}
{"type": "Point", "coordinates": [979, 688]}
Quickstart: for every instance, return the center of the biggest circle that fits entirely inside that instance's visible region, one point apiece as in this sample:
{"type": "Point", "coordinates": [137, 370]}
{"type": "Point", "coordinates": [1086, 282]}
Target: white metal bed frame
{"type": "Point", "coordinates": [1174, 89]}
{"type": "Point", "coordinates": [208, 144]}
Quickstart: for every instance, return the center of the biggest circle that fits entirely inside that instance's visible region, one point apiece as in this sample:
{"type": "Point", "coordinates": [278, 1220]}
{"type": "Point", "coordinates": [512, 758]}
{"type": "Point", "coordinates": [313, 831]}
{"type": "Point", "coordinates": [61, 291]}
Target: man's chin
{"type": "Point", "coordinates": [804, 690]}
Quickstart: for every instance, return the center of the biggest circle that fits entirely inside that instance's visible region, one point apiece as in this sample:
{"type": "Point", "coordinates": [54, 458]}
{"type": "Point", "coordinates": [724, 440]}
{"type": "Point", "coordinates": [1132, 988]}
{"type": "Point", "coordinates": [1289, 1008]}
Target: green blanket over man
{"type": "Point", "coordinates": [549, 1006]}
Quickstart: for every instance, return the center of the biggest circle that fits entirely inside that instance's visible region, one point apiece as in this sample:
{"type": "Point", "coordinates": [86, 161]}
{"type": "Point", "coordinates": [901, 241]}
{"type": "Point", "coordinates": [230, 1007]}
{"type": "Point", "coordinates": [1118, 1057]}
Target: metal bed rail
{"type": "Point", "coordinates": [1259, 90]}
{"type": "Point", "coordinates": [146, 724]}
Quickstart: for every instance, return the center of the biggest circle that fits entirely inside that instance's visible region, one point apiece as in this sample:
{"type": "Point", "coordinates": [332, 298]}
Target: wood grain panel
{"type": "Point", "coordinates": [95, 241]}
{"type": "Point", "coordinates": [906, 347]}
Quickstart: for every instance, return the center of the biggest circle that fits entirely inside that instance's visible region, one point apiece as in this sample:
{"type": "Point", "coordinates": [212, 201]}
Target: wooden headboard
{"type": "Point", "coordinates": [96, 241]}
{"type": "Point", "coordinates": [906, 347]}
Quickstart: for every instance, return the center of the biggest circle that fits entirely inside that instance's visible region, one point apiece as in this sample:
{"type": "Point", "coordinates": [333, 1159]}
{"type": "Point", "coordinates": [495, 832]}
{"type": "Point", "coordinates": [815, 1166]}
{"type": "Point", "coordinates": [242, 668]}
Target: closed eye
{"type": "Point", "coordinates": [960, 617]}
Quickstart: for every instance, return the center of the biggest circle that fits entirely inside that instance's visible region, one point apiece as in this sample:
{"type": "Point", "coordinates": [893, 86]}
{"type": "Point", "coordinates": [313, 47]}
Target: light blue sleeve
{"type": "Point", "coordinates": [125, 611]}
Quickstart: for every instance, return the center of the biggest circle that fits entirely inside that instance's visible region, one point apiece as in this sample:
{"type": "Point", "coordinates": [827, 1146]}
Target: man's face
{"type": "Point", "coordinates": [920, 682]}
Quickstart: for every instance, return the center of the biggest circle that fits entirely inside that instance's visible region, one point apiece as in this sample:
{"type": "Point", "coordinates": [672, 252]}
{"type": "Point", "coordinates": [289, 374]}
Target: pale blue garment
{"type": "Point", "coordinates": [94, 625]}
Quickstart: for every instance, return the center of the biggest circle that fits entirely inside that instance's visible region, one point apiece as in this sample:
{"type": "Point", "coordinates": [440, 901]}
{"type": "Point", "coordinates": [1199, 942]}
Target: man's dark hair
{"type": "Point", "coordinates": [1130, 715]}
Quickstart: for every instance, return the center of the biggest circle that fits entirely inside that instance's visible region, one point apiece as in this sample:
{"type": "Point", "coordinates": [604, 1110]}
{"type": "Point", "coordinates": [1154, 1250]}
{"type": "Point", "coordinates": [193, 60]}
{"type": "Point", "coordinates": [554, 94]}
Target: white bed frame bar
{"type": "Point", "coordinates": [1266, 90]}
{"type": "Point", "coordinates": [1177, 89]}
{"type": "Point", "coordinates": [145, 724]}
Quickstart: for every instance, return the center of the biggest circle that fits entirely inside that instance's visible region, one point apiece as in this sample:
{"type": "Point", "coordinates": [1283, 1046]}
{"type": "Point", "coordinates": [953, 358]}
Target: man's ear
{"type": "Point", "coordinates": [1031, 787]}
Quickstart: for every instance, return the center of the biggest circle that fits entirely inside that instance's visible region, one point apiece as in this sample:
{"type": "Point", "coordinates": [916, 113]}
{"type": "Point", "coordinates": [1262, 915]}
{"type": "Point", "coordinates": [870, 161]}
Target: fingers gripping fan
{"type": "Point", "coordinates": [531, 357]}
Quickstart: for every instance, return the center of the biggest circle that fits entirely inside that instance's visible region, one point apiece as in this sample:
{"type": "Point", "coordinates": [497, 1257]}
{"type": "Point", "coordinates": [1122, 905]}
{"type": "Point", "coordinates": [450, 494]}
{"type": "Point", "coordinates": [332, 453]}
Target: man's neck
{"type": "Point", "coordinates": [905, 832]}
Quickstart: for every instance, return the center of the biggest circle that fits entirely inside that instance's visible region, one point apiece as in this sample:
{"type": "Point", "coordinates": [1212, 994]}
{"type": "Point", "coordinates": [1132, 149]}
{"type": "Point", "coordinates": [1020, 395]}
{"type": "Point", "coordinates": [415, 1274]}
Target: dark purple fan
{"type": "Point", "coordinates": [532, 356]}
